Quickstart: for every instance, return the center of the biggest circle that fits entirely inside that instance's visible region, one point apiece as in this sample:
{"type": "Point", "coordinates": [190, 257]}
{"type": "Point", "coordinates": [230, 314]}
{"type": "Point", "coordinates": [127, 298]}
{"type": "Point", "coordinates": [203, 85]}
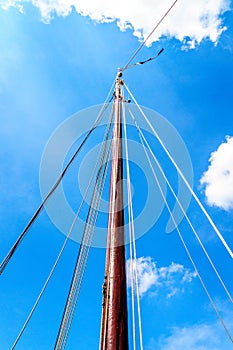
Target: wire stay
{"type": "Point", "coordinates": [8, 257]}
{"type": "Point", "coordinates": [148, 36]}
{"type": "Point", "coordinates": [133, 252]}
{"type": "Point", "coordinates": [98, 162]}
{"type": "Point", "coordinates": [84, 249]}
{"type": "Point", "coordinates": [144, 144]}
{"type": "Point", "coordinates": [228, 249]}
{"type": "Point", "coordinates": [183, 211]}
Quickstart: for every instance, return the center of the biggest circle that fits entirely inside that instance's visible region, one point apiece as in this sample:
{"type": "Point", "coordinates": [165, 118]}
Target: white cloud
{"type": "Point", "coordinates": [170, 279]}
{"type": "Point", "coordinates": [196, 337]}
{"type": "Point", "coordinates": [218, 179]}
{"type": "Point", "coordinates": [202, 336]}
{"type": "Point", "coordinates": [189, 23]}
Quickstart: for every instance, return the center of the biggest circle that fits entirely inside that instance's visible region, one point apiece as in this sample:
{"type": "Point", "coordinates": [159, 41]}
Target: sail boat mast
{"type": "Point", "coordinates": [114, 327]}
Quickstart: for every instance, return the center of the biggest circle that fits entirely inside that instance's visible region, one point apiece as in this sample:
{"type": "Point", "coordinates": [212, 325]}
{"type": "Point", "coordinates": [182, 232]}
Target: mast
{"type": "Point", "coordinates": [114, 324]}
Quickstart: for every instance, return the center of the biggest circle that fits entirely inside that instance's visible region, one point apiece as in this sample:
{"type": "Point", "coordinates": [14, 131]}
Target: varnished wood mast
{"type": "Point", "coordinates": [114, 327]}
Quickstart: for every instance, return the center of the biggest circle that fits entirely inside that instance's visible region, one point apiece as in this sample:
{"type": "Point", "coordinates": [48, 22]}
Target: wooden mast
{"type": "Point", "coordinates": [114, 327]}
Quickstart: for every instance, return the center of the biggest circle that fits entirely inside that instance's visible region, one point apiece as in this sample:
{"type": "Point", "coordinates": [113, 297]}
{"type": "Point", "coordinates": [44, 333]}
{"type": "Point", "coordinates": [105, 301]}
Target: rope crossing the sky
{"type": "Point", "coordinates": [133, 253]}
{"type": "Point", "coordinates": [53, 189]}
{"type": "Point", "coordinates": [98, 162]}
{"type": "Point", "coordinates": [147, 147]}
{"type": "Point", "coordinates": [148, 37]}
{"type": "Point", "coordinates": [85, 245]}
{"type": "Point", "coordinates": [143, 140]}
{"type": "Point", "coordinates": [228, 249]}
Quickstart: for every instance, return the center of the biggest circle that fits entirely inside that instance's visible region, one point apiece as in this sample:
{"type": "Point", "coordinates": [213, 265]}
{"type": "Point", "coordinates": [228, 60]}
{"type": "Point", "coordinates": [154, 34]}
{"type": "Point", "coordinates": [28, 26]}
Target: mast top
{"type": "Point", "coordinates": [119, 72]}
{"type": "Point", "coordinates": [119, 83]}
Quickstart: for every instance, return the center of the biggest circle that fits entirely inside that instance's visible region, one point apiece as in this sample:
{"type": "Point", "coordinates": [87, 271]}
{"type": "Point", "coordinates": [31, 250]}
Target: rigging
{"type": "Point", "coordinates": [92, 217]}
{"type": "Point", "coordinates": [8, 257]}
{"type": "Point", "coordinates": [144, 144]}
{"type": "Point", "coordinates": [85, 246]}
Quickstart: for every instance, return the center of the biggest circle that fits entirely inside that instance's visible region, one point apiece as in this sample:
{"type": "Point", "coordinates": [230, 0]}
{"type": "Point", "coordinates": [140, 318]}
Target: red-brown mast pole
{"type": "Point", "coordinates": [114, 328]}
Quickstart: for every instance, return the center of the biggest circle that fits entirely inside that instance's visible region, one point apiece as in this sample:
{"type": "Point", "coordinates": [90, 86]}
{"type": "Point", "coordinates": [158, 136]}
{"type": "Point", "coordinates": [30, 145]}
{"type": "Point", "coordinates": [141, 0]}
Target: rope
{"type": "Point", "coordinates": [147, 38]}
{"type": "Point", "coordinates": [184, 213]}
{"type": "Point", "coordinates": [184, 178]}
{"type": "Point", "coordinates": [130, 232]}
{"type": "Point", "coordinates": [181, 237]}
{"type": "Point", "coordinates": [58, 258]}
{"type": "Point", "coordinates": [53, 268]}
{"type": "Point", "coordinates": [77, 276]}
{"type": "Point", "coordinates": [133, 254]}
{"type": "Point", "coordinates": [84, 249]}
{"type": "Point", "coordinates": [36, 214]}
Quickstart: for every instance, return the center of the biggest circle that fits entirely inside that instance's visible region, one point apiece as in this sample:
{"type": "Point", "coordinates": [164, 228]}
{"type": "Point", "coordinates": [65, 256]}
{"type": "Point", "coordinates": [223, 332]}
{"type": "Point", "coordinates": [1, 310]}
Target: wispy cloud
{"type": "Point", "coordinates": [218, 179]}
{"type": "Point", "coordinates": [209, 336]}
{"type": "Point", "coordinates": [170, 279]}
{"type": "Point", "coordinates": [190, 24]}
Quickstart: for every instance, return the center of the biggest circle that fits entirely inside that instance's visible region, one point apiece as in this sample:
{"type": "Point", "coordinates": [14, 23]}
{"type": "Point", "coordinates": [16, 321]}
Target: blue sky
{"type": "Point", "coordinates": [54, 65]}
